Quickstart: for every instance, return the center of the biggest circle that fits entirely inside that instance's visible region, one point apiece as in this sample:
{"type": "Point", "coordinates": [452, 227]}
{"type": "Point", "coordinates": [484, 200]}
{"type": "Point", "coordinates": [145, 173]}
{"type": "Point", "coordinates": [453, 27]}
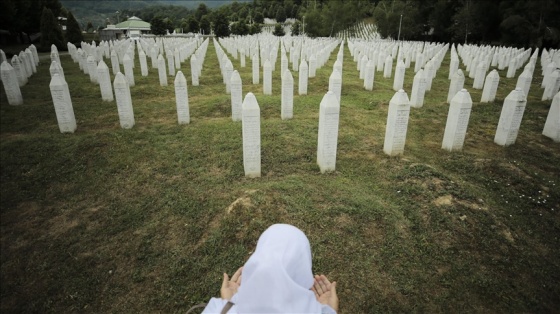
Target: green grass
{"type": "Point", "coordinates": [147, 219]}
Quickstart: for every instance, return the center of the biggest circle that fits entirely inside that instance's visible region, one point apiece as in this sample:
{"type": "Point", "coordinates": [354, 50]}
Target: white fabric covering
{"type": "Point", "coordinates": [277, 278]}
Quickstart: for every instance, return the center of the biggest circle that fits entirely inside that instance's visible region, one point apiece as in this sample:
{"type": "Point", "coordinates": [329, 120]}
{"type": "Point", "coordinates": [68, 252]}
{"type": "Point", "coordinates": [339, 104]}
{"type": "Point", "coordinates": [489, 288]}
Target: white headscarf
{"type": "Point", "coordinates": [278, 276]}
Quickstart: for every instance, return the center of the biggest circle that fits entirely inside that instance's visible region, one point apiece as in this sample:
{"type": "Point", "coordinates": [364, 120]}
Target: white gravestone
{"type": "Point", "coordinates": [25, 63]}
{"type": "Point", "coordinates": [457, 82]}
{"type": "Point", "coordinates": [312, 66]}
{"type": "Point", "coordinates": [388, 67]}
{"type": "Point", "coordinates": [524, 81]}
{"type": "Point", "coordinates": [104, 80]}
{"type": "Point", "coordinates": [329, 114]}
{"type": "Point", "coordinates": [369, 75]}
{"type": "Point", "coordinates": [56, 68]}
{"type": "Point", "coordinates": [162, 71]}
{"type": "Point", "coordinates": [478, 82]}
{"type": "Point", "coordinates": [303, 77]}
{"type": "Point", "coordinates": [418, 90]}
{"type": "Point", "coordinates": [242, 58]}
{"type": "Point", "coordinates": [397, 124]}
{"type": "Point", "coordinates": [510, 118]}
{"type": "Point", "coordinates": [194, 71]}
{"type": "Point", "coordinates": [552, 125]}
{"type": "Point", "coordinates": [335, 84]}
{"type": "Point", "coordinates": [453, 66]}
{"type": "Point", "coordinates": [552, 85]}
{"type": "Point", "coordinates": [170, 63]}
{"type": "Point", "coordinates": [236, 96]}
{"type": "Point", "coordinates": [182, 98]}
{"type": "Point", "coordinates": [11, 84]}
{"type": "Point", "coordinates": [62, 105]}
{"type": "Point", "coordinates": [124, 101]}
{"type": "Point", "coordinates": [143, 63]}
{"type": "Point", "coordinates": [31, 60]}
{"type": "Point", "coordinates": [128, 71]}
{"type": "Point", "coordinates": [92, 69]}
{"type": "Point", "coordinates": [177, 59]}
{"type": "Point", "coordinates": [251, 127]}
{"type": "Point", "coordinates": [20, 72]}
{"type": "Point", "coordinates": [228, 69]}
{"type": "Point", "coordinates": [287, 101]}
{"type": "Point", "coordinates": [457, 121]}
{"type": "Point", "coordinates": [267, 78]}
{"type": "Point", "coordinates": [115, 63]}
{"type": "Point", "coordinates": [399, 76]}
{"type": "Point", "coordinates": [490, 87]}
{"type": "Point", "coordinates": [256, 69]}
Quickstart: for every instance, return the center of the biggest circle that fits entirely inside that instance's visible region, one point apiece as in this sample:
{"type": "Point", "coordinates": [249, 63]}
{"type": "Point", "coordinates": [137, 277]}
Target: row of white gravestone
{"type": "Point", "coordinates": [329, 113]}
{"type": "Point", "coordinates": [16, 74]}
{"type": "Point", "coordinates": [65, 112]}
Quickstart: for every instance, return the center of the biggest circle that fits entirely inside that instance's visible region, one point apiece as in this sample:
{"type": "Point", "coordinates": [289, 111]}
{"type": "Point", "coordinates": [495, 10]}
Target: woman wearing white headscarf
{"type": "Point", "coordinates": [277, 278]}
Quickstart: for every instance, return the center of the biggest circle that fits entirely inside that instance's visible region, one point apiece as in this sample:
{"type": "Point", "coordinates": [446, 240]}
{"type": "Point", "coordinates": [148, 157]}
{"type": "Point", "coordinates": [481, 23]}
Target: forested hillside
{"type": "Point", "coordinates": [520, 23]}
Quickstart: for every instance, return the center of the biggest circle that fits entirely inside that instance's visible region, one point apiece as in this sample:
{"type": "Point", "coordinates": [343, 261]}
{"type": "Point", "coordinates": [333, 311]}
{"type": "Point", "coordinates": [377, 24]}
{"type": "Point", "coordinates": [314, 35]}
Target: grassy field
{"type": "Point", "coordinates": [145, 220]}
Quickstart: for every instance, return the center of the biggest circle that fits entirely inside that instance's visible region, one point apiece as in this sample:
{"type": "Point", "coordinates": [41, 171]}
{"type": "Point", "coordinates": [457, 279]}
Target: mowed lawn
{"type": "Point", "coordinates": [145, 220]}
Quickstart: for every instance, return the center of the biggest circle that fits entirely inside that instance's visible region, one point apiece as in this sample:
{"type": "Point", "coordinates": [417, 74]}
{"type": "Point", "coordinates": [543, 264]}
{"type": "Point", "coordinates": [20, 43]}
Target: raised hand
{"type": "Point", "coordinates": [229, 287]}
{"type": "Point", "coordinates": [325, 291]}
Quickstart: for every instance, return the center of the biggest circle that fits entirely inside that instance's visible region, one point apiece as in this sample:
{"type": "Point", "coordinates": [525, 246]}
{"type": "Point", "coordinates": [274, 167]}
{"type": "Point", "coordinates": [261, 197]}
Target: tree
{"type": "Point", "coordinates": [89, 27]}
{"type": "Point", "coordinates": [169, 25]}
{"type": "Point", "coordinates": [278, 30]}
{"type": "Point", "coordinates": [296, 28]}
{"type": "Point", "coordinates": [157, 26]}
{"type": "Point", "coordinates": [51, 34]}
{"type": "Point", "coordinates": [280, 15]}
{"type": "Point", "coordinates": [255, 28]}
{"type": "Point", "coordinates": [205, 25]}
{"type": "Point", "coordinates": [193, 24]}
{"type": "Point", "coordinates": [239, 28]}
{"type": "Point", "coordinates": [73, 30]}
{"type": "Point", "coordinates": [201, 11]}
{"type": "Point", "coordinates": [259, 18]}
{"type": "Point", "coordinates": [221, 25]}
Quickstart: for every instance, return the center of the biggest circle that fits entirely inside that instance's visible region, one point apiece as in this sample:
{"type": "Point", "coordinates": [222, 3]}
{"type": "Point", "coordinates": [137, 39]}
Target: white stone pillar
{"type": "Point", "coordinates": [104, 80]}
{"type": "Point", "coordinates": [388, 67]}
{"type": "Point", "coordinates": [143, 63]}
{"type": "Point", "coordinates": [397, 124]}
{"type": "Point", "coordinates": [62, 105]}
{"type": "Point", "coordinates": [236, 96]}
{"type": "Point", "coordinates": [56, 68]}
{"type": "Point", "coordinates": [418, 90]}
{"type": "Point", "coordinates": [490, 87]}
{"type": "Point", "coordinates": [552, 124]}
{"type": "Point", "coordinates": [256, 69]}
{"type": "Point", "coordinates": [115, 65]}
{"type": "Point", "coordinates": [92, 69]}
{"type": "Point", "coordinates": [479, 76]}
{"type": "Point", "coordinates": [182, 98]}
{"type": "Point", "coordinates": [11, 84]}
{"type": "Point", "coordinates": [128, 71]}
{"type": "Point", "coordinates": [267, 78]}
{"type": "Point", "coordinates": [287, 101]}
{"type": "Point", "coordinates": [399, 76]}
{"type": "Point", "coordinates": [194, 71]}
{"type": "Point", "coordinates": [457, 121]}
{"type": "Point", "coordinates": [162, 71]}
{"type": "Point", "coordinates": [329, 114]}
{"type": "Point", "coordinates": [251, 128]}
{"type": "Point", "coordinates": [124, 101]}
{"type": "Point", "coordinates": [303, 77]}
{"type": "Point", "coordinates": [457, 82]}
{"type": "Point", "coordinates": [335, 84]}
{"type": "Point", "coordinates": [369, 75]}
{"type": "Point", "coordinates": [510, 118]}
